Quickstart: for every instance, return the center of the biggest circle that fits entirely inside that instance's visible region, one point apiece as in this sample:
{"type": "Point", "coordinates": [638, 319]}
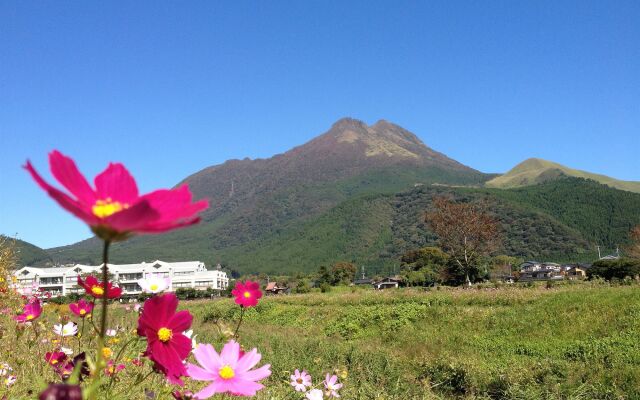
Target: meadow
{"type": "Point", "coordinates": [572, 341]}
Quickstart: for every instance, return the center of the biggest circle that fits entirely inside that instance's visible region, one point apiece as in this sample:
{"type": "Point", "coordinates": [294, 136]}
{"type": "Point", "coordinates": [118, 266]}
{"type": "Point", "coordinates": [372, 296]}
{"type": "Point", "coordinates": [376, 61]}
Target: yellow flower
{"type": "Point", "coordinates": [107, 352]}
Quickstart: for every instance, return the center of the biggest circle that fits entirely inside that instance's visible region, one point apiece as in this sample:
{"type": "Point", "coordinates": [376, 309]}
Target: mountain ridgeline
{"type": "Point", "coordinates": [359, 193]}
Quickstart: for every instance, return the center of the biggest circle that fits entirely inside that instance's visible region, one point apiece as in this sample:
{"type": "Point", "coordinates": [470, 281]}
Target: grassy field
{"type": "Point", "coordinates": [574, 342]}
{"type": "Point", "coordinates": [569, 342]}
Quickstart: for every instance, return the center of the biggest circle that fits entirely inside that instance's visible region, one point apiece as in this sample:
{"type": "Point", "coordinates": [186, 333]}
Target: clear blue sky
{"type": "Point", "coordinates": [171, 87]}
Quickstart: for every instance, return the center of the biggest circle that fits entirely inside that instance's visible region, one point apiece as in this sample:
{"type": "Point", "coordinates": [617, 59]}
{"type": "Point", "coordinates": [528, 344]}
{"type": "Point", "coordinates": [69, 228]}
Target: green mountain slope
{"type": "Point", "coordinates": [535, 170]}
{"type": "Point", "coordinates": [561, 220]}
{"type": "Point", "coordinates": [29, 254]}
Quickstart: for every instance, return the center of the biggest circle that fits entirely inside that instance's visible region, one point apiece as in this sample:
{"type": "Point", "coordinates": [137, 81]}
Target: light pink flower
{"type": "Point", "coordinates": [228, 371]}
{"type": "Point", "coordinates": [300, 380]}
{"type": "Point", "coordinates": [332, 386]}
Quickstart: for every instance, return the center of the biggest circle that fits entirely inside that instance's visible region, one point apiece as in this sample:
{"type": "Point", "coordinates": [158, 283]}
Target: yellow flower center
{"type": "Point", "coordinates": [97, 290]}
{"type": "Point", "coordinates": [299, 380]}
{"type": "Point", "coordinates": [30, 317]}
{"type": "Point", "coordinates": [153, 286]}
{"type": "Point", "coordinates": [107, 207]}
{"type": "Point", "coordinates": [54, 362]}
{"type": "Point", "coordinates": [83, 312]}
{"type": "Point", "coordinates": [226, 372]}
{"type": "Point", "coordinates": [247, 294]}
{"type": "Point", "coordinates": [165, 334]}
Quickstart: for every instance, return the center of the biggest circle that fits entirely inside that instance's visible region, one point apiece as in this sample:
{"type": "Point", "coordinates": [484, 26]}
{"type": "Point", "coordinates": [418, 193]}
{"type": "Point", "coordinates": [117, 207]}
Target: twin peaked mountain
{"type": "Point", "coordinates": [355, 193]}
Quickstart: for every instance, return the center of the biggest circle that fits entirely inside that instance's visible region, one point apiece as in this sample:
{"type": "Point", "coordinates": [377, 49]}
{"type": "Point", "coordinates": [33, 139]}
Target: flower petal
{"type": "Point", "coordinates": [73, 206]}
{"type": "Point", "coordinates": [200, 374]}
{"type": "Point", "coordinates": [117, 184]}
{"type": "Point", "coordinates": [210, 390]}
{"type": "Point", "coordinates": [248, 360]}
{"type": "Point", "coordinates": [230, 353]}
{"type": "Point", "coordinates": [208, 357]}
{"type": "Point", "coordinates": [64, 169]}
{"type": "Point", "coordinates": [258, 374]}
{"type": "Point", "coordinates": [181, 321]}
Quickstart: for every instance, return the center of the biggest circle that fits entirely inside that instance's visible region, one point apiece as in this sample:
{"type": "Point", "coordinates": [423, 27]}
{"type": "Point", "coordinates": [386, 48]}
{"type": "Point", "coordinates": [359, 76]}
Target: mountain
{"type": "Point", "coordinates": [535, 170]}
{"type": "Point", "coordinates": [29, 254]}
{"type": "Point", "coordinates": [358, 193]}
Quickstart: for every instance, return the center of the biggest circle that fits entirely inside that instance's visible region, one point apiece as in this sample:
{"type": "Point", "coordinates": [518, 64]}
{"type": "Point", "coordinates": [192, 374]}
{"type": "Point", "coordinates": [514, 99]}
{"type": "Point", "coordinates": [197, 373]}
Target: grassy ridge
{"type": "Point", "coordinates": [569, 342]}
{"type": "Point", "coordinates": [534, 171]}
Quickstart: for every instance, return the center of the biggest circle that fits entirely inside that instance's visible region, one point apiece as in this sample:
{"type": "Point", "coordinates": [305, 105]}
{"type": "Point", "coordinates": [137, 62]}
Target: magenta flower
{"type": "Point", "coordinates": [61, 391]}
{"type": "Point", "coordinates": [300, 380]}
{"type": "Point", "coordinates": [247, 294]}
{"type": "Point", "coordinates": [332, 386]}
{"type": "Point", "coordinates": [113, 369]}
{"type": "Point", "coordinates": [227, 371]}
{"type": "Point", "coordinates": [81, 308]}
{"type": "Point", "coordinates": [31, 311]}
{"type": "Point", "coordinates": [95, 288]}
{"type": "Point", "coordinates": [55, 358]}
{"type": "Point", "coordinates": [114, 210]}
{"type": "Point", "coordinates": [163, 327]}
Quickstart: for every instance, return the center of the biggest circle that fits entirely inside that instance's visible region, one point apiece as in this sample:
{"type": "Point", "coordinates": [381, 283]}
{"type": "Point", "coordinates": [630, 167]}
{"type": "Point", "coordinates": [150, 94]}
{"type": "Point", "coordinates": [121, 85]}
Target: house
{"type": "Point", "coordinates": [530, 266]}
{"type": "Point", "coordinates": [540, 275]}
{"type": "Point", "coordinates": [273, 288]}
{"type": "Point", "coordinates": [387, 283]}
{"type": "Point", "coordinates": [61, 281]}
{"type": "Point", "coordinates": [363, 281]}
{"type": "Point", "coordinates": [576, 272]}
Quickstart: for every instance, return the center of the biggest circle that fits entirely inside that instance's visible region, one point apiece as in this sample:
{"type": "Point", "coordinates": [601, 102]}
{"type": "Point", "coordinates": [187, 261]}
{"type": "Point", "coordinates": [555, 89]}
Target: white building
{"type": "Point", "coordinates": [63, 280]}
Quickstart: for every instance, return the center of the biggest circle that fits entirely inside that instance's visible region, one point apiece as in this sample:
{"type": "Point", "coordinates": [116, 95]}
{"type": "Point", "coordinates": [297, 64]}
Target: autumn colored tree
{"type": "Point", "coordinates": [466, 232]}
{"type": "Point", "coordinates": [634, 248]}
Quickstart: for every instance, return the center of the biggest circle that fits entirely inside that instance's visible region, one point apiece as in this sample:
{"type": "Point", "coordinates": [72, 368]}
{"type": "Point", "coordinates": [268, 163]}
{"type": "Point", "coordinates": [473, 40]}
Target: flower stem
{"type": "Point", "coordinates": [235, 334]}
{"type": "Point", "coordinates": [105, 280]}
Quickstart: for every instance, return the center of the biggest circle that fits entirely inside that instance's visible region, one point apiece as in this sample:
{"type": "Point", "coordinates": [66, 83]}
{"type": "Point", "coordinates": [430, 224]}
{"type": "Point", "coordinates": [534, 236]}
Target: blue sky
{"type": "Point", "coordinates": [169, 88]}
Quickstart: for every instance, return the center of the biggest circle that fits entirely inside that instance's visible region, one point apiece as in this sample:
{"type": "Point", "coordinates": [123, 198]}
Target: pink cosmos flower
{"type": "Point", "coordinates": [163, 327]}
{"type": "Point", "coordinates": [81, 308]}
{"type": "Point", "coordinates": [227, 371]}
{"type": "Point", "coordinates": [247, 294]}
{"type": "Point", "coordinates": [332, 386]}
{"type": "Point", "coordinates": [31, 311]}
{"type": "Point", "coordinates": [95, 288]}
{"type": "Point", "coordinates": [114, 210]}
{"type": "Point", "coordinates": [300, 380]}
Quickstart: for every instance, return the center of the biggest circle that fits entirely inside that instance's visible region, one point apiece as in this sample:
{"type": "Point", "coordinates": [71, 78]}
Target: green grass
{"type": "Point", "coordinates": [568, 342]}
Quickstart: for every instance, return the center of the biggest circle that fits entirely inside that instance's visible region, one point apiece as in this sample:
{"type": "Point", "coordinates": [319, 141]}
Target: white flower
{"type": "Point", "coordinates": [10, 380]}
{"type": "Point", "coordinates": [314, 394]}
{"type": "Point", "coordinates": [66, 350]}
{"type": "Point", "coordinates": [111, 332]}
{"type": "Point", "coordinates": [137, 307]}
{"type": "Point", "coordinates": [5, 369]}
{"type": "Point", "coordinates": [69, 329]}
{"type": "Point", "coordinates": [188, 334]}
{"type": "Point", "coordinates": [154, 284]}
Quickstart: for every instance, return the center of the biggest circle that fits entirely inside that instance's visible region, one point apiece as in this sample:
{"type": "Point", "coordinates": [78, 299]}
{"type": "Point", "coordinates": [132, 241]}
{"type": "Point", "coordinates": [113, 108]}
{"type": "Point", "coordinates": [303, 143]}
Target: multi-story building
{"type": "Point", "coordinates": [63, 280]}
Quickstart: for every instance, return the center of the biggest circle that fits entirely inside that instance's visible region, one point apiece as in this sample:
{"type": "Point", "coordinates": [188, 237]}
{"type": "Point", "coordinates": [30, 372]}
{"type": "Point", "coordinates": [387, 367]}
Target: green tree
{"type": "Point", "coordinates": [620, 269]}
{"type": "Point", "coordinates": [343, 273]}
{"type": "Point", "coordinates": [425, 266]}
